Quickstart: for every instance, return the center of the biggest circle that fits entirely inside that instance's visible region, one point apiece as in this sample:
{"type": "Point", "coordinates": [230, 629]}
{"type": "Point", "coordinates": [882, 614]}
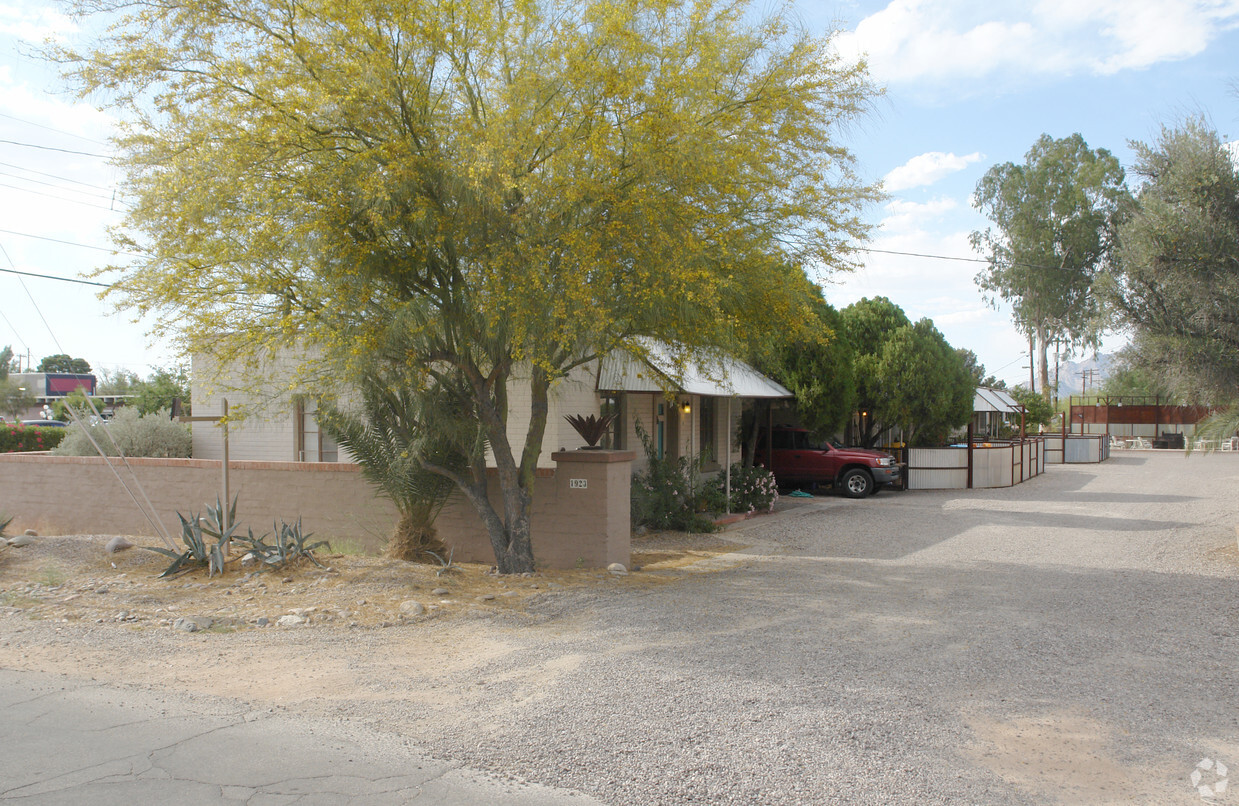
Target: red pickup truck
{"type": "Point", "coordinates": [857, 472]}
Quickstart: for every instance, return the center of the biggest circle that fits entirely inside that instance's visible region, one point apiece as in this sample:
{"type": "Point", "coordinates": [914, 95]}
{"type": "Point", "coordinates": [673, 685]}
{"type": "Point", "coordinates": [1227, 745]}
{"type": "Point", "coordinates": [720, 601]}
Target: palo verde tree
{"type": "Point", "coordinates": [530, 183]}
{"type": "Point", "coordinates": [1054, 218]}
{"type": "Point", "coordinates": [1177, 289]}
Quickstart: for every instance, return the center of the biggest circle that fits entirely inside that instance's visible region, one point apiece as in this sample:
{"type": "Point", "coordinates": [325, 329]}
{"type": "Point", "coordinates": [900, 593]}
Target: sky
{"type": "Point", "coordinates": [967, 85]}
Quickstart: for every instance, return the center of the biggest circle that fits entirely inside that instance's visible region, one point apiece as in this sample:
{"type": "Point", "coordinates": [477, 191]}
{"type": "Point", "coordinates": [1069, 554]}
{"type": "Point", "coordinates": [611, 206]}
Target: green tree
{"type": "Point", "coordinates": [869, 324]}
{"type": "Point", "coordinates": [163, 386]}
{"type": "Point", "coordinates": [815, 364]}
{"type": "Point", "coordinates": [14, 400]}
{"type": "Point", "coordinates": [1055, 218]}
{"type": "Point", "coordinates": [1037, 410]}
{"type": "Point", "coordinates": [533, 183]}
{"type": "Point", "coordinates": [1178, 284]}
{"type": "Point", "coordinates": [1128, 378]}
{"type": "Point", "coordinates": [924, 385]}
{"type": "Point", "coordinates": [6, 362]}
{"type": "Point", "coordinates": [116, 382]}
{"type": "Point", "coordinates": [63, 363]}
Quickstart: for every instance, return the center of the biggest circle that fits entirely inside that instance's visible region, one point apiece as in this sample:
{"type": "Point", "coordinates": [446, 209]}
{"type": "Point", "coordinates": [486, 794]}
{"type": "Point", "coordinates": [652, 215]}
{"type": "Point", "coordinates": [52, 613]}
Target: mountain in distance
{"type": "Point", "coordinates": [1071, 374]}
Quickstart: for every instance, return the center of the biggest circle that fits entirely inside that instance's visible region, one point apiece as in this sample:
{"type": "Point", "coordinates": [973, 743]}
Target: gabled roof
{"type": "Point", "coordinates": [694, 372]}
{"type": "Point", "coordinates": [996, 400]}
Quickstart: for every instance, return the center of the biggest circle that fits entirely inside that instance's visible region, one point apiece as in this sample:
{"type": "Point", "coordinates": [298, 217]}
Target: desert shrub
{"type": "Point", "coordinates": [154, 435]}
{"type": "Point", "coordinates": [663, 496]}
{"type": "Point", "coordinates": [753, 489]}
{"type": "Point", "coordinates": [23, 438]}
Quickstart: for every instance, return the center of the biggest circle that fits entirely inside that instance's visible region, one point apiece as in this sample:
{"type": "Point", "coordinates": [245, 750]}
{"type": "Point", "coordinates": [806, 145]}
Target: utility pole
{"type": "Point", "coordinates": [1032, 364]}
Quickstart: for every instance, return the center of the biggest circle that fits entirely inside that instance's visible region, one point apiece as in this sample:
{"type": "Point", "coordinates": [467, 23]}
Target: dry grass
{"type": "Point", "coordinates": [72, 578]}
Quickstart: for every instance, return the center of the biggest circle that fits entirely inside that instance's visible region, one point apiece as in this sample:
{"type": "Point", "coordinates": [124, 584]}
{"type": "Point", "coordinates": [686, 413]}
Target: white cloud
{"type": "Point", "coordinates": [927, 168]}
{"type": "Point", "coordinates": [905, 216]}
{"type": "Point", "coordinates": [34, 25]}
{"type": "Point", "coordinates": [936, 40]}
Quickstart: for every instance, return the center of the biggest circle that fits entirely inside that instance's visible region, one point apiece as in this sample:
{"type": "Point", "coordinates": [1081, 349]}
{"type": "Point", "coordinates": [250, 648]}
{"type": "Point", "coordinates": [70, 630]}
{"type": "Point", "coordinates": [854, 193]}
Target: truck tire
{"type": "Point", "coordinates": [856, 483]}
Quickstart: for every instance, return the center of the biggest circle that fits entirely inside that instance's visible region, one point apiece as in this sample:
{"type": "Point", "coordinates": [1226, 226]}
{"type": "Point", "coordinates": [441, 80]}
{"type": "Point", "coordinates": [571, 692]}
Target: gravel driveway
{"type": "Point", "coordinates": [1072, 639]}
{"type": "Point", "coordinates": [1069, 640]}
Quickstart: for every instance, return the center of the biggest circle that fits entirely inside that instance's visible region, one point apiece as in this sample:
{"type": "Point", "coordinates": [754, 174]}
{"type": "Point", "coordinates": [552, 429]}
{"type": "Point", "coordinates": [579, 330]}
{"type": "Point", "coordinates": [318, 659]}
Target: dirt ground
{"type": "Point", "coordinates": [72, 578]}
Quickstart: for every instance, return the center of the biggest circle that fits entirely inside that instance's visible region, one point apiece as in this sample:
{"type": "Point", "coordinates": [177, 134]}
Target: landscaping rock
{"type": "Point", "coordinates": [30, 533]}
{"type": "Point", "coordinates": [22, 540]}
{"type": "Point", "coordinates": [411, 608]}
{"type": "Point", "coordinates": [191, 623]}
{"type": "Point", "coordinates": [618, 569]}
{"type": "Point", "coordinates": [440, 592]}
{"type": "Point", "coordinates": [486, 597]}
{"type": "Point", "coordinates": [116, 544]}
{"type": "Point", "coordinates": [262, 621]}
{"type": "Point", "coordinates": [291, 620]}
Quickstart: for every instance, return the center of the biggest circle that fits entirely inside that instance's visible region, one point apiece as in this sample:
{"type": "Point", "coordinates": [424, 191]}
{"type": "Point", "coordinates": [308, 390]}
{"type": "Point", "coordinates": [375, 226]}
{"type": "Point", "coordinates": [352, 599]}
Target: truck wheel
{"type": "Point", "coordinates": [856, 483]}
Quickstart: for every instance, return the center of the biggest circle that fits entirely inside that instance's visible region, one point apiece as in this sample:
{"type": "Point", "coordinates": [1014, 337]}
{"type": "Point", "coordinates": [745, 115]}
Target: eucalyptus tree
{"type": "Point", "coordinates": [1054, 222]}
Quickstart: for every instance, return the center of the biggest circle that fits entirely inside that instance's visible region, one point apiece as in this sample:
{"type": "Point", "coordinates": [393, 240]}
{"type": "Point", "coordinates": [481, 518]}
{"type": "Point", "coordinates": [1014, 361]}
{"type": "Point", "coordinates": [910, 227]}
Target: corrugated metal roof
{"type": "Point", "coordinates": [660, 369]}
{"type": "Point", "coordinates": [997, 400]}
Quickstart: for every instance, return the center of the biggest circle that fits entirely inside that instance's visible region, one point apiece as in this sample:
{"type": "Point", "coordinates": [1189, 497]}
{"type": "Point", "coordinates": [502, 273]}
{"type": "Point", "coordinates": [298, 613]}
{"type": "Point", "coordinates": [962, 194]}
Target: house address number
{"type": "Point", "coordinates": [578, 484]}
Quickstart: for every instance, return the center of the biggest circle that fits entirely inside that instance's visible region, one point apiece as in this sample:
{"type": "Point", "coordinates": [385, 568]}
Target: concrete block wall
{"type": "Point", "coordinates": [572, 525]}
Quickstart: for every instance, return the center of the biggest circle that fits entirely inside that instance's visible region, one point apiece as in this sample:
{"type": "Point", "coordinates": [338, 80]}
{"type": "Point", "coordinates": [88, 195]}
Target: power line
{"type": "Point", "coordinates": [52, 129]}
{"type": "Point", "coordinates": [57, 198]}
{"type": "Point", "coordinates": [61, 150]}
{"type": "Point", "coordinates": [14, 329]}
{"type": "Point", "coordinates": [53, 185]}
{"type": "Point", "coordinates": [961, 259]}
{"type": "Point", "coordinates": [55, 176]}
{"type": "Point", "coordinates": [52, 276]}
{"type": "Point", "coordinates": [69, 243]}
{"type": "Point", "coordinates": [32, 302]}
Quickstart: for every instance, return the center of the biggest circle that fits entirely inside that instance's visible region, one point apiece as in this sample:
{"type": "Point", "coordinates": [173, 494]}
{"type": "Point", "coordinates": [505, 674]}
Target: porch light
{"type": "Point", "coordinates": [687, 407]}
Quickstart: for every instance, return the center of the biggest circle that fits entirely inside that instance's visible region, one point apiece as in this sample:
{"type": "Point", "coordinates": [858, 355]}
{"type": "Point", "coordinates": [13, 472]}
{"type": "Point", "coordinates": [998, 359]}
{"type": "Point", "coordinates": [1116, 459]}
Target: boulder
{"type": "Point", "coordinates": [116, 544]}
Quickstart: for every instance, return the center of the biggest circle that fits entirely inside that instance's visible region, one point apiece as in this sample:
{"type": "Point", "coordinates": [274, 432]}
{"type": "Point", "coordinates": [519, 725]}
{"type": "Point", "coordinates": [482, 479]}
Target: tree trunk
{"type": "Point", "coordinates": [1042, 348]}
{"type": "Point", "coordinates": [415, 540]}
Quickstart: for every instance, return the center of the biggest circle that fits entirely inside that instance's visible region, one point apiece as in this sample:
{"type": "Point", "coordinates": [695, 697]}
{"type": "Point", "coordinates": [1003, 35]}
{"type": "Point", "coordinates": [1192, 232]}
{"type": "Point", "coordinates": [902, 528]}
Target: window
{"type": "Point", "coordinates": [707, 428]}
{"type": "Point", "coordinates": [310, 442]}
{"type": "Point", "coordinates": [613, 403]}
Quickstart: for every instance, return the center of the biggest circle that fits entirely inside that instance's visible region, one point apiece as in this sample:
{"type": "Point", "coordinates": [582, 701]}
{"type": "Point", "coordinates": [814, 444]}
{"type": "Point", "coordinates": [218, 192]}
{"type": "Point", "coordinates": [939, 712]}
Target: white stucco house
{"type": "Point", "coordinates": [689, 404]}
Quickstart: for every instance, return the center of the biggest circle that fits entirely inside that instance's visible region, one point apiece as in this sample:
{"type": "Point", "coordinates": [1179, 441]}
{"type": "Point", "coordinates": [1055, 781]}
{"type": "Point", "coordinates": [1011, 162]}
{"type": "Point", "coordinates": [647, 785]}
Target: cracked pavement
{"type": "Point", "coordinates": [67, 741]}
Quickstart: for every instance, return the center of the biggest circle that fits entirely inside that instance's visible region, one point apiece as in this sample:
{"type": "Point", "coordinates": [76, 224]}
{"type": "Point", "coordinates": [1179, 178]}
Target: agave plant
{"type": "Point", "coordinates": [592, 428]}
{"type": "Point", "coordinates": [197, 552]}
{"type": "Point", "coordinates": [290, 544]}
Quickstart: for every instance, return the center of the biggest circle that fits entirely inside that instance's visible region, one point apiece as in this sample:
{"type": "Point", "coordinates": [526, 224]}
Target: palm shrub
{"type": "Point", "coordinates": [406, 443]}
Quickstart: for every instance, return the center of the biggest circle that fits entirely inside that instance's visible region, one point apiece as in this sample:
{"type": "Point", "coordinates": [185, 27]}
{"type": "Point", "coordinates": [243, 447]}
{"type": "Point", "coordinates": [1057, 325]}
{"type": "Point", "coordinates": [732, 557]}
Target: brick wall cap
{"type": "Point", "coordinates": [601, 457]}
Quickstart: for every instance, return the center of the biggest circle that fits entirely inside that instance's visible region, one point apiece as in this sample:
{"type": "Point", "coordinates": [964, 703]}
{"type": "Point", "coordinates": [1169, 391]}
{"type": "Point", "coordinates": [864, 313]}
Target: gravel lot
{"type": "Point", "coordinates": [1072, 640]}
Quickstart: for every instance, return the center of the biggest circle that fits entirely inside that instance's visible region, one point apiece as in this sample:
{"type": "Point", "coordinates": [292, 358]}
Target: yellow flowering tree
{"type": "Point", "coordinates": [521, 184]}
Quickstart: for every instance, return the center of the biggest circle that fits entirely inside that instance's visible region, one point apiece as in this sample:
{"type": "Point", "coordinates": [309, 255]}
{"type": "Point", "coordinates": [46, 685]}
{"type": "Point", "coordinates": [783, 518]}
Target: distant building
{"type": "Point", "coordinates": [48, 387]}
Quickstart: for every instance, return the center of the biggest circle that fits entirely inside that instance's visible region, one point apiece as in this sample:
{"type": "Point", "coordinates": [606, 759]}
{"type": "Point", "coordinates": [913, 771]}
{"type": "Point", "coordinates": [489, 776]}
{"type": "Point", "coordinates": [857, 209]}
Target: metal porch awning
{"type": "Point", "coordinates": [692, 372]}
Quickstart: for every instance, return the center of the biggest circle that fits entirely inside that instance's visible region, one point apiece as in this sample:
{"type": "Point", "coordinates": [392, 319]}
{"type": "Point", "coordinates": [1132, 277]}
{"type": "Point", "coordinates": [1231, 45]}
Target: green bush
{"type": "Point", "coordinates": [154, 435]}
{"type": "Point", "coordinates": [23, 438]}
{"type": "Point", "coordinates": [663, 496]}
{"type": "Point", "coordinates": [753, 489]}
